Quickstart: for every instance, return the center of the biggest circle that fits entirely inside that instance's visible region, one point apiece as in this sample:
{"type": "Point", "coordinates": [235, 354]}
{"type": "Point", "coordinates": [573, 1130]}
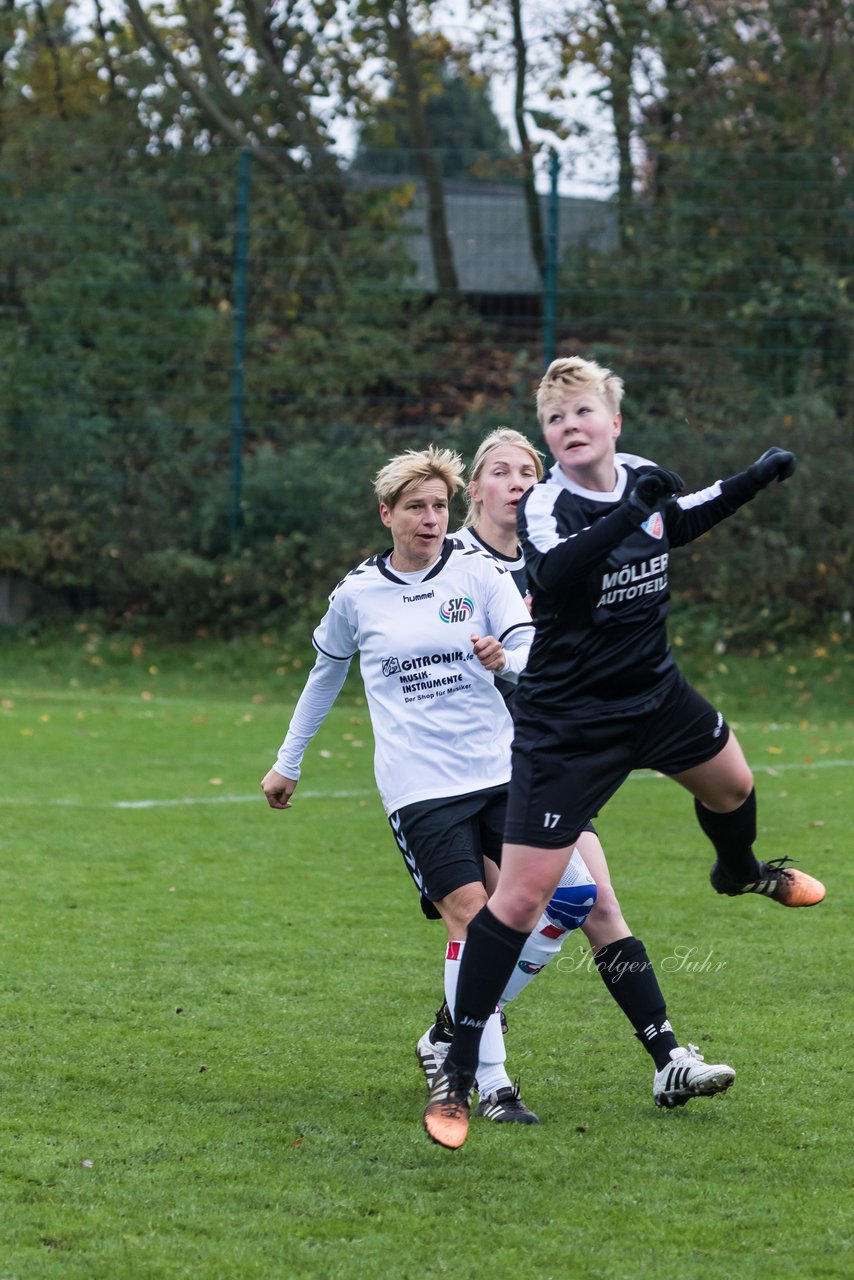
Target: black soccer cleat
{"type": "Point", "coordinates": [444, 1023]}
{"type": "Point", "coordinates": [506, 1107]}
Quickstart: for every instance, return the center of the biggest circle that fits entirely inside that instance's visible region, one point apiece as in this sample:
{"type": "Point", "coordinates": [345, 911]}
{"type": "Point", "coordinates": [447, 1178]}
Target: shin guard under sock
{"type": "Point", "coordinates": [630, 978]}
{"type": "Point", "coordinates": [732, 835]}
{"type": "Point", "coordinates": [492, 1054]}
{"type": "Point", "coordinates": [491, 951]}
{"type": "Point", "coordinates": [542, 945]}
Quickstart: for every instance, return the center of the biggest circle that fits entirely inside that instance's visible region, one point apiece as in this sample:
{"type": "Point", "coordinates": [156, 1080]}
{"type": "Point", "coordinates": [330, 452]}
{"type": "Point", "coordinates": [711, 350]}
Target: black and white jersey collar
{"type": "Point", "coordinates": [559, 476]}
{"type": "Point", "coordinates": [512, 562]}
{"type": "Point", "coordinates": [382, 563]}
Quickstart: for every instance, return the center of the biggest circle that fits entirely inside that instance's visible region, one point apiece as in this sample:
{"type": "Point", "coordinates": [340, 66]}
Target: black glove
{"type": "Point", "coordinates": [775, 464]}
{"type": "Point", "coordinates": [649, 491]}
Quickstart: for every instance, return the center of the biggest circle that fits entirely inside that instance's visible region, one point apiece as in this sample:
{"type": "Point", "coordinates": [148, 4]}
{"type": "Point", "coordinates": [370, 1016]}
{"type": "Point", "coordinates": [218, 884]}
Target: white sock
{"type": "Point", "coordinates": [491, 1073]}
{"type": "Point", "coordinates": [544, 943]}
{"type": "Point", "coordinates": [547, 936]}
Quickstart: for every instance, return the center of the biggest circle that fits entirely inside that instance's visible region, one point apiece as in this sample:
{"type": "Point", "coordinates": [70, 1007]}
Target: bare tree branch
{"type": "Point", "coordinates": [279, 162]}
{"type": "Point", "coordinates": [532, 200]}
{"type": "Point", "coordinates": [395, 16]}
{"type": "Point", "coordinates": [259, 21]}
{"type": "Point", "coordinates": [101, 28]}
{"type": "Point", "coordinates": [53, 53]}
{"type": "Point", "coordinates": [7, 44]}
{"type": "Point", "coordinates": [200, 23]}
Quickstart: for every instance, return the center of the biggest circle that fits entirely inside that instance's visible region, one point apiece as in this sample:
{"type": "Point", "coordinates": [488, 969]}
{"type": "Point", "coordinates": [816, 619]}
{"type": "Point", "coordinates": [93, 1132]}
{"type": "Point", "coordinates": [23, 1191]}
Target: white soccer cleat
{"type": "Point", "coordinates": [431, 1055]}
{"type": "Point", "coordinates": [687, 1076]}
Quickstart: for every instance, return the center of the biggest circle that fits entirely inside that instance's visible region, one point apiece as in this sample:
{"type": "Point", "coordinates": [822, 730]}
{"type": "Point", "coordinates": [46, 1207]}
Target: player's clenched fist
{"type": "Point", "coordinates": [650, 490]}
{"type": "Point", "coordinates": [775, 464]}
{"type": "Point", "coordinates": [278, 789]}
{"type": "Point", "coordinates": [489, 652]}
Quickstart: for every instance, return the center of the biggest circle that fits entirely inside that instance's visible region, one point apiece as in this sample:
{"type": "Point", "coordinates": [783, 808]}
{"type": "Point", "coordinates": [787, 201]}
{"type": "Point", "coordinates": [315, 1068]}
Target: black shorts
{"type": "Point", "coordinates": [445, 841]}
{"type": "Point", "coordinates": [565, 770]}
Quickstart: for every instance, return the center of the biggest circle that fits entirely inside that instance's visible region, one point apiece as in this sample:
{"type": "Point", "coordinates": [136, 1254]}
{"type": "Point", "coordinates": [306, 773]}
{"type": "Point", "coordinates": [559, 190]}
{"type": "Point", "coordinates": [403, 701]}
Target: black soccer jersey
{"type": "Point", "coordinates": [600, 588]}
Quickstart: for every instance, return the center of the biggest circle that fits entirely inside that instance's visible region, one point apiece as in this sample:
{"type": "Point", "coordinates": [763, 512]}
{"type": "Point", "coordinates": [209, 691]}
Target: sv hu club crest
{"type": "Point", "coordinates": [457, 609]}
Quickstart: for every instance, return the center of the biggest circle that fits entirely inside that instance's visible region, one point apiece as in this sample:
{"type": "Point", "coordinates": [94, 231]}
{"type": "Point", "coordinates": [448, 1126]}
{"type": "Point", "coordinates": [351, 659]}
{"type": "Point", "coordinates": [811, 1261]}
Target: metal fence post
{"type": "Point", "coordinates": [241, 240]}
{"type": "Point", "coordinates": [550, 280]}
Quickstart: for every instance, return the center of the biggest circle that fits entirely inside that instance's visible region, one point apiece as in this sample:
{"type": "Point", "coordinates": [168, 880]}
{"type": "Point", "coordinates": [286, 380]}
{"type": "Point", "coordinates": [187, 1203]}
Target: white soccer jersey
{"type": "Point", "coordinates": [440, 726]}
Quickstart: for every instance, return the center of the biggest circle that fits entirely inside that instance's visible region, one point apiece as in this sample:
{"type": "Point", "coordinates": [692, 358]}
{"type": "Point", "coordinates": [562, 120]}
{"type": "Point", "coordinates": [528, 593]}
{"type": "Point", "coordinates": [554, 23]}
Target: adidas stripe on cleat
{"type": "Point", "coordinates": [687, 1076]}
{"type": "Point", "coordinates": [431, 1055]}
{"type": "Point", "coordinates": [506, 1107]}
{"type": "Point", "coordinates": [432, 1049]}
{"type": "Point", "coordinates": [786, 885]}
{"type": "Point", "coordinates": [446, 1116]}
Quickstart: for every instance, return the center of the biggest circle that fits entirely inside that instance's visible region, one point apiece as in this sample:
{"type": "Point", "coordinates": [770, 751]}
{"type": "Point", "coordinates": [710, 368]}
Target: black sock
{"type": "Point", "coordinates": [491, 951]}
{"type": "Point", "coordinates": [630, 978]}
{"type": "Point", "coordinates": [733, 835]}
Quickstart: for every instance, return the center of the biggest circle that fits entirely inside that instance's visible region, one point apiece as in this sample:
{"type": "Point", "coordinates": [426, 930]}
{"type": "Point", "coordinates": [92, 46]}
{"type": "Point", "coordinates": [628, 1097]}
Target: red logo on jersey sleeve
{"type": "Point", "coordinates": [654, 526]}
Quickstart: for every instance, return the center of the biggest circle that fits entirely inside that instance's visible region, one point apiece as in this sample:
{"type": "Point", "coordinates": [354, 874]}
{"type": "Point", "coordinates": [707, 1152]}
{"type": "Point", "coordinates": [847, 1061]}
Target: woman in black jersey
{"type": "Point", "coordinates": [601, 694]}
{"type": "Point", "coordinates": [505, 467]}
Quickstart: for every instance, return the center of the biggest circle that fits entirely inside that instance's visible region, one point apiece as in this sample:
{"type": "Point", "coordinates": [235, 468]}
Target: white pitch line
{"type": "Point", "coordinates": [253, 799]}
{"type": "Point", "coordinates": [641, 775]}
{"type": "Point", "coordinates": [256, 798]}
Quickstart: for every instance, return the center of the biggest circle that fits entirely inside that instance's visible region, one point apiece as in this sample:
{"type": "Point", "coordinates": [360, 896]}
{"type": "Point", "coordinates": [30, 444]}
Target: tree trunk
{"type": "Point", "coordinates": [402, 46]}
{"type": "Point", "coordinates": [621, 108]}
{"type": "Point", "coordinates": [536, 235]}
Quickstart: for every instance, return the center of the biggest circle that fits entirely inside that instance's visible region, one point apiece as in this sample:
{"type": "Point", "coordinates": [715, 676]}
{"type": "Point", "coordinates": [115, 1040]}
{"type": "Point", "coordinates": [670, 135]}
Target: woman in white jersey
{"type": "Point", "coordinates": [431, 621]}
{"type": "Point", "coordinates": [505, 466]}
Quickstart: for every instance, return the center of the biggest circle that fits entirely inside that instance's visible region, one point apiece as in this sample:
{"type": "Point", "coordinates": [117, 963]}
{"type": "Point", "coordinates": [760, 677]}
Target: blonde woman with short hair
{"type": "Point", "coordinates": [504, 468]}
{"type": "Point", "coordinates": [602, 695]}
{"type": "Point", "coordinates": [431, 622]}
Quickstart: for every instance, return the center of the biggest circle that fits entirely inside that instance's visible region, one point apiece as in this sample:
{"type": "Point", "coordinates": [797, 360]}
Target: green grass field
{"type": "Point", "coordinates": [209, 1009]}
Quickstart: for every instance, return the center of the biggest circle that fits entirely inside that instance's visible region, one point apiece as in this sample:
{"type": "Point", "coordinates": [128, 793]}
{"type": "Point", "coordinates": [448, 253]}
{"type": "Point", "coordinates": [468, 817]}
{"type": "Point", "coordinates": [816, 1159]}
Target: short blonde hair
{"type": "Point", "coordinates": [572, 373]}
{"type": "Point", "coordinates": [501, 436]}
{"type": "Point", "coordinates": [413, 467]}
